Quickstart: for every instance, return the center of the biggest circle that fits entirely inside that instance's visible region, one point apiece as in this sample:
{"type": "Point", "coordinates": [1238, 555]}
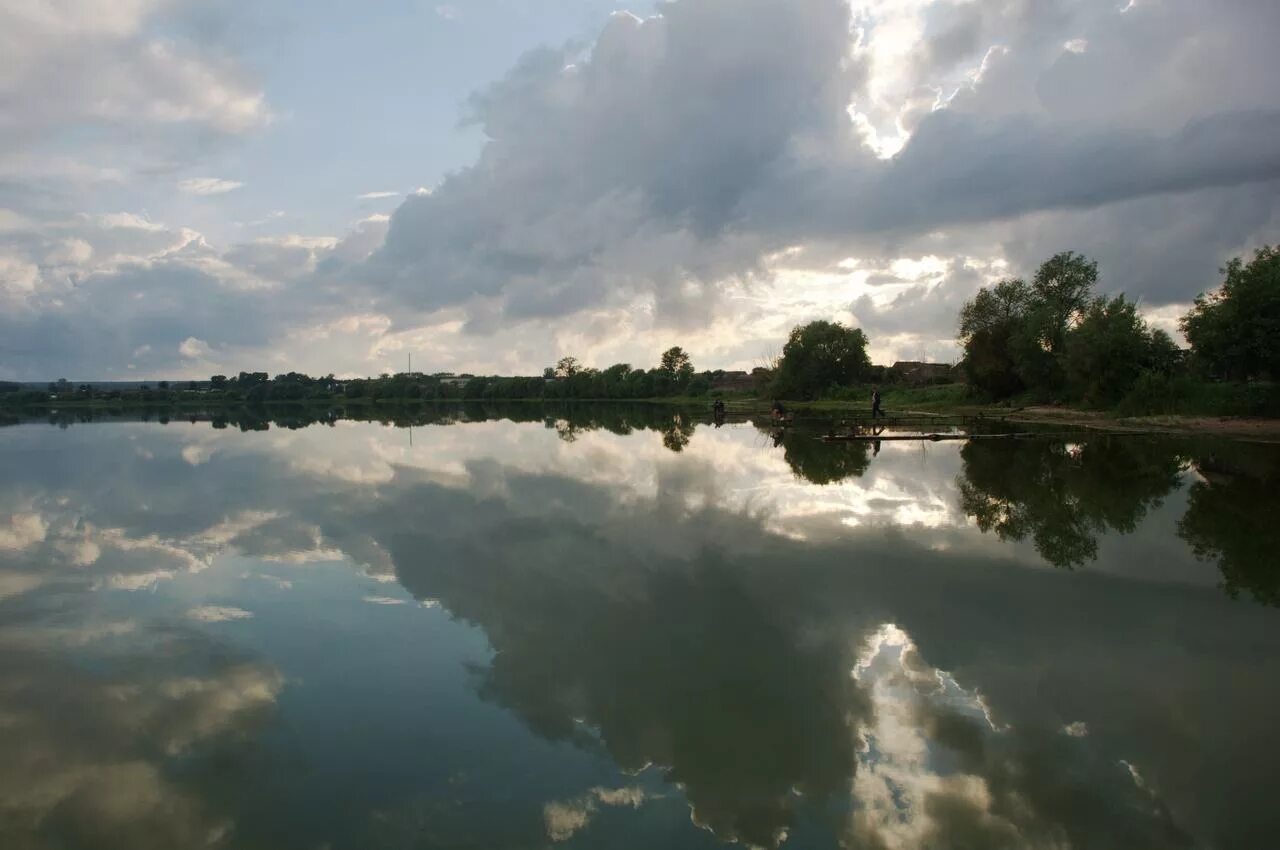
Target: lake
{"type": "Point", "coordinates": [620, 626]}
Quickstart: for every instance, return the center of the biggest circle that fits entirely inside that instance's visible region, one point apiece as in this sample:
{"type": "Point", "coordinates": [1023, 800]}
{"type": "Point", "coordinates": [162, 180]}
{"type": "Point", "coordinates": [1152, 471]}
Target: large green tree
{"type": "Point", "coordinates": [1109, 348]}
{"type": "Point", "coordinates": [1061, 291]}
{"type": "Point", "coordinates": [1015, 334]}
{"type": "Point", "coordinates": [988, 325]}
{"type": "Point", "coordinates": [677, 365]}
{"type": "Point", "coordinates": [1235, 330]}
{"type": "Point", "coordinates": [567, 367]}
{"type": "Point", "coordinates": [821, 355]}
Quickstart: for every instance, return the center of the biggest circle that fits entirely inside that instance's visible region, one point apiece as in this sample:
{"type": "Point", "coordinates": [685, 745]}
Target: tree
{"type": "Point", "coordinates": [548, 373]}
{"type": "Point", "coordinates": [677, 365]}
{"type": "Point", "coordinates": [615, 380]}
{"type": "Point", "coordinates": [1108, 350]}
{"type": "Point", "coordinates": [988, 324]}
{"type": "Point", "coordinates": [218, 382]}
{"type": "Point", "coordinates": [1014, 334]}
{"type": "Point", "coordinates": [1061, 291]}
{"type": "Point", "coordinates": [1235, 330]}
{"type": "Point", "coordinates": [821, 355]}
{"type": "Point", "coordinates": [567, 367]}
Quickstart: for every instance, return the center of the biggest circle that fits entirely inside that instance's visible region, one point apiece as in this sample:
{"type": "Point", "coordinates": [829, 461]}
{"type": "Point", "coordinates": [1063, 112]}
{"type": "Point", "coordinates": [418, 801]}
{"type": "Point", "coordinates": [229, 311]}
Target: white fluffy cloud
{"type": "Point", "coordinates": [194, 348]}
{"type": "Point", "coordinates": [111, 64]}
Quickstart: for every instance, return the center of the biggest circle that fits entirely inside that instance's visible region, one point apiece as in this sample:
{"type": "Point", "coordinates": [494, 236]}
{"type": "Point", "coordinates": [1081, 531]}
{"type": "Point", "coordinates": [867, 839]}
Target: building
{"type": "Point", "coordinates": [734, 381]}
{"type": "Point", "coordinates": [916, 372]}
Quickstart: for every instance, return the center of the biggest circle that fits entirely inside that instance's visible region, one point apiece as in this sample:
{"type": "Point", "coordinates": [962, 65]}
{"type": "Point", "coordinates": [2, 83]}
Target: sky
{"type": "Point", "coordinates": [191, 188]}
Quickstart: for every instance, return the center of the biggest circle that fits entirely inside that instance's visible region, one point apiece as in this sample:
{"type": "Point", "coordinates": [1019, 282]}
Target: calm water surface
{"type": "Point", "coordinates": [614, 627]}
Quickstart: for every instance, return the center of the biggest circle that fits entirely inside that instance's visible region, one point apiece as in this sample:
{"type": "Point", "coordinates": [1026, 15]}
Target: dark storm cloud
{"type": "Point", "coordinates": [682, 148]}
{"type": "Point", "coordinates": [622, 172]}
{"type": "Point", "coordinates": [140, 315]}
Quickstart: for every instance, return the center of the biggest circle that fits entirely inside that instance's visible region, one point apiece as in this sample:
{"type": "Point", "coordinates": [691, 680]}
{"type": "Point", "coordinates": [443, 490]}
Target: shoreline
{"type": "Point", "coordinates": [1247, 428]}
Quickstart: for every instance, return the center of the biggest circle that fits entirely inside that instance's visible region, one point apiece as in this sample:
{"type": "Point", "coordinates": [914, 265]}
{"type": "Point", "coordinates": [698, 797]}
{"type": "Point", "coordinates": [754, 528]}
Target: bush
{"type": "Point", "coordinates": [1157, 394]}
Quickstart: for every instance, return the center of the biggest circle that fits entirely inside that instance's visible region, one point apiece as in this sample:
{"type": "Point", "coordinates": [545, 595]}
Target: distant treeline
{"type": "Point", "coordinates": [568, 379]}
{"type": "Point", "coordinates": [1050, 339]}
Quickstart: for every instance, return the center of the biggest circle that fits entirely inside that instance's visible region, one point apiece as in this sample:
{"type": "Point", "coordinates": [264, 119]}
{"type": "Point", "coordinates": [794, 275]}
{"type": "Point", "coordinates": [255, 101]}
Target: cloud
{"type": "Point", "coordinates": [1076, 729]}
{"type": "Point", "coordinates": [171, 299]}
{"type": "Point", "coordinates": [194, 349]}
{"type": "Point", "coordinates": [22, 531]}
{"type": "Point", "coordinates": [698, 174]}
{"type": "Point", "coordinates": [116, 67]}
{"type": "Point", "coordinates": [994, 721]}
{"type": "Point", "coordinates": [385, 600]}
{"type": "Point", "coordinates": [217, 614]}
{"type": "Point", "coordinates": [564, 818]}
{"type": "Point", "coordinates": [93, 756]}
{"type": "Point", "coordinates": [207, 186]}
{"type": "Point", "coordinates": [681, 150]}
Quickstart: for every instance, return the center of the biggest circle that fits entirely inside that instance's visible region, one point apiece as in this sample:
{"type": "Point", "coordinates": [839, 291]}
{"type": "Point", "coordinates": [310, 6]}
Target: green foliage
{"type": "Point", "coordinates": [1235, 330]}
{"type": "Point", "coordinates": [988, 326]}
{"type": "Point", "coordinates": [1060, 291]}
{"type": "Point", "coordinates": [1108, 350]}
{"type": "Point", "coordinates": [567, 367]}
{"type": "Point", "coordinates": [819, 356]}
{"type": "Point", "coordinates": [677, 365]}
{"type": "Point", "coordinates": [1052, 339]}
{"type": "Point", "coordinates": [1186, 395]}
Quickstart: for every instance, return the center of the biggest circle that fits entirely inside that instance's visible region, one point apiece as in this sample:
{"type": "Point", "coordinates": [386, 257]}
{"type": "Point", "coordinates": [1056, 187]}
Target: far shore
{"type": "Point", "coordinates": [1256, 429]}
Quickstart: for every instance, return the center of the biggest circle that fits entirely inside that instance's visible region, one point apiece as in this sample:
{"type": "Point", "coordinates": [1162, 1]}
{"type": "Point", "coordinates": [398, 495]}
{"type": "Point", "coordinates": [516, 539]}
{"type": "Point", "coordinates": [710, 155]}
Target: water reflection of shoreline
{"type": "Point", "coordinates": [668, 626]}
{"type": "Point", "coordinates": [1059, 496]}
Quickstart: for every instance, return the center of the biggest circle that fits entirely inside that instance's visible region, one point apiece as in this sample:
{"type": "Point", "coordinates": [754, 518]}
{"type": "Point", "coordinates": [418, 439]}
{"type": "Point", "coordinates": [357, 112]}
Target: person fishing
{"type": "Point", "coordinates": [779, 412]}
{"type": "Point", "coordinates": [717, 412]}
{"type": "Point", "coordinates": [876, 412]}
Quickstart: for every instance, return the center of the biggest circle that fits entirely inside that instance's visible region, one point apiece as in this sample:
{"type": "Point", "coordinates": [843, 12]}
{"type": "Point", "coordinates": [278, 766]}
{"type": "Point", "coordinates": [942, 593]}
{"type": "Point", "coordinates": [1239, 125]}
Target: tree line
{"type": "Point", "coordinates": [1055, 339]}
{"type": "Point", "coordinates": [1052, 338]}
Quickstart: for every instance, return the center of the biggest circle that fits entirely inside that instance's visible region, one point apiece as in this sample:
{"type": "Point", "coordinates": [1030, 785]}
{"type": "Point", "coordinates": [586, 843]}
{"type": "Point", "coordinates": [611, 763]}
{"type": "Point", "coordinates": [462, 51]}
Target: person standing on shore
{"type": "Point", "coordinates": [876, 412]}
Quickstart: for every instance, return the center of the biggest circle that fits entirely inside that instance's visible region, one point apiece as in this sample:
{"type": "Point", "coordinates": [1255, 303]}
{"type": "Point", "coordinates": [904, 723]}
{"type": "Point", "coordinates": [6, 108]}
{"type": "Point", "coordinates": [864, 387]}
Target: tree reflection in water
{"type": "Point", "coordinates": [1231, 518]}
{"type": "Point", "coordinates": [822, 463]}
{"type": "Point", "coordinates": [1064, 495]}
